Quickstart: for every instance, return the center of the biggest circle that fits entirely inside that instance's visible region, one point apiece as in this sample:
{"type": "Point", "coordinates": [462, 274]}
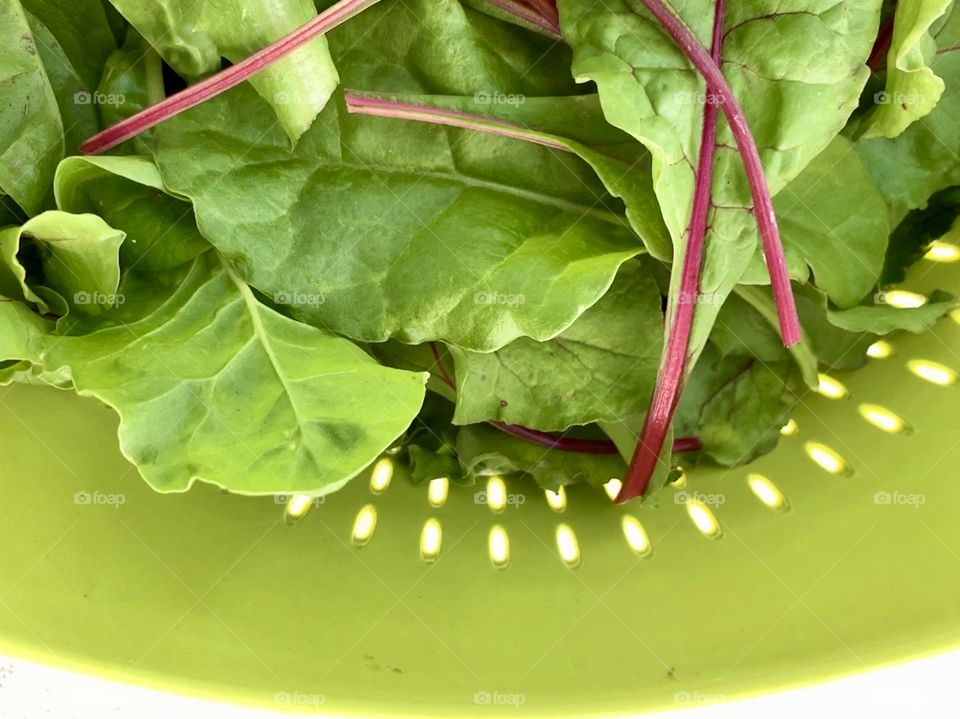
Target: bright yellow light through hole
{"type": "Point", "coordinates": [430, 539]}
{"type": "Point", "coordinates": [556, 500]}
{"type": "Point", "coordinates": [636, 536]}
{"type": "Point", "coordinates": [381, 475]}
{"type": "Point", "coordinates": [933, 372]}
{"type": "Point", "coordinates": [437, 491]}
{"type": "Point", "coordinates": [829, 387]}
{"type": "Point", "coordinates": [790, 429]}
{"type": "Point", "coordinates": [827, 458]}
{"type": "Point", "coordinates": [943, 252]}
{"type": "Point", "coordinates": [882, 418]}
{"type": "Point", "coordinates": [567, 545]}
{"type": "Point", "coordinates": [612, 488]}
{"type": "Point", "coordinates": [766, 491]}
{"type": "Point", "coordinates": [904, 300]}
{"type": "Point", "coordinates": [496, 494]}
{"type": "Point", "coordinates": [364, 525]}
{"type": "Point", "coordinates": [881, 349]}
{"type": "Point", "coordinates": [703, 519]}
{"type": "Point", "coordinates": [498, 545]}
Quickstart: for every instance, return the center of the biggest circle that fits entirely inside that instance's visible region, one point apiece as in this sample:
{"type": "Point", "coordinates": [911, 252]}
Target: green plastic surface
{"type": "Point", "coordinates": [217, 595]}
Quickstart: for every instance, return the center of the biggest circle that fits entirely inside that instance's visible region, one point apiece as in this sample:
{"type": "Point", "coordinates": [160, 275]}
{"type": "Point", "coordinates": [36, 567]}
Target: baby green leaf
{"type": "Point", "coordinates": [600, 368]}
{"type": "Point", "coordinates": [129, 194]}
{"type": "Point", "coordinates": [912, 89]}
{"type": "Point", "coordinates": [212, 385]}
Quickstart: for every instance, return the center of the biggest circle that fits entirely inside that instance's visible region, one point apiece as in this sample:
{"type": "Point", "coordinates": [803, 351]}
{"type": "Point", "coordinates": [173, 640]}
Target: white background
{"type": "Point", "coordinates": [921, 689]}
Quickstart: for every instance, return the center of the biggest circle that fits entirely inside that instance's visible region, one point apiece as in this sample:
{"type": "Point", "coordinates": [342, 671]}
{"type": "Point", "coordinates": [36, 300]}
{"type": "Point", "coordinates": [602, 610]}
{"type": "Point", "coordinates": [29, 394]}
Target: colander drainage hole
{"type": "Point", "coordinates": [612, 488]}
{"type": "Point", "coordinates": [364, 525]}
{"type": "Point", "coordinates": [498, 547]}
{"type": "Point", "coordinates": [431, 538]}
{"type": "Point", "coordinates": [381, 475]}
{"type": "Point", "coordinates": [636, 536]}
{"type": "Point", "coordinates": [496, 494]}
{"type": "Point", "coordinates": [557, 501]}
{"type": "Point", "coordinates": [703, 519]}
{"type": "Point", "coordinates": [567, 545]}
{"type": "Point", "coordinates": [790, 429]}
{"type": "Point", "coordinates": [881, 349]}
{"type": "Point", "coordinates": [767, 492]}
{"type": "Point", "coordinates": [828, 459]}
{"type": "Point", "coordinates": [933, 372]}
{"type": "Point", "coordinates": [437, 491]}
{"type": "Point", "coordinates": [884, 419]}
{"type": "Point", "coordinates": [832, 388]}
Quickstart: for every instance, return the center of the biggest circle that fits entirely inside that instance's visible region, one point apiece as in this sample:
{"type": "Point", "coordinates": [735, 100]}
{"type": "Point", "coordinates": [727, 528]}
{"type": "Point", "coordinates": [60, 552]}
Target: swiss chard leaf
{"type": "Point", "coordinates": [129, 194]}
{"type": "Point", "coordinates": [31, 131]}
{"type": "Point", "coordinates": [210, 384]}
{"type": "Point", "coordinates": [912, 87]}
{"type": "Point", "coordinates": [922, 159]}
{"type": "Point", "coordinates": [844, 249]}
{"type": "Point", "coordinates": [881, 319]}
{"type": "Point", "coordinates": [600, 368]}
{"type": "Point", "coordinates": [737, 405]}
{"type": "Point", "coordinates": [77, 258]}
{"type": "Point", "coordinates": [192, 36]}
{"type": "Point", "coordinates": [376, 234]}
{"type": "Point", "coordinates": [811, 57]}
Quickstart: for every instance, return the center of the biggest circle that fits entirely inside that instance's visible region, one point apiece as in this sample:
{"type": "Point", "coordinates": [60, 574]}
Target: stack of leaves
{"type": "Point", "coordinates": [570, 240]}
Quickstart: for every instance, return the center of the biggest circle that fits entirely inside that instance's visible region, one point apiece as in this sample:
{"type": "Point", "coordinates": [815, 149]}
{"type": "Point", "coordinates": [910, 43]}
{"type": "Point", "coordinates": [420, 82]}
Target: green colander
{"type": "Point", "coordinates": [839, 551]}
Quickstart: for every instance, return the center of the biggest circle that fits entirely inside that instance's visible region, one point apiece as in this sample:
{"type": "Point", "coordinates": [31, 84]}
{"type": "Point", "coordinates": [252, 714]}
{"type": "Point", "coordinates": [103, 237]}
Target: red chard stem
{"type": "Point", "coordinates": [709, 68]}
{"type": "Point", "coordinates": [673, 361]}
{"type": "Point", "coordinates": [224, 80]}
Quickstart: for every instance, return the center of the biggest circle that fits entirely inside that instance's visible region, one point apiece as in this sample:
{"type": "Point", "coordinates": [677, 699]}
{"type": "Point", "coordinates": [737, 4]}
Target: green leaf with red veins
{"type": "Point", "coordinates": [797, 73]}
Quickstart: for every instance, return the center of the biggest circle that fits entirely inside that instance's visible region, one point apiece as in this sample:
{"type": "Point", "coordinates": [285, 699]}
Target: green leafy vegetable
{"type": "Point", "coordinates": [912, 89]}
{"type": "Point", "coordinates": [248, 399]}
